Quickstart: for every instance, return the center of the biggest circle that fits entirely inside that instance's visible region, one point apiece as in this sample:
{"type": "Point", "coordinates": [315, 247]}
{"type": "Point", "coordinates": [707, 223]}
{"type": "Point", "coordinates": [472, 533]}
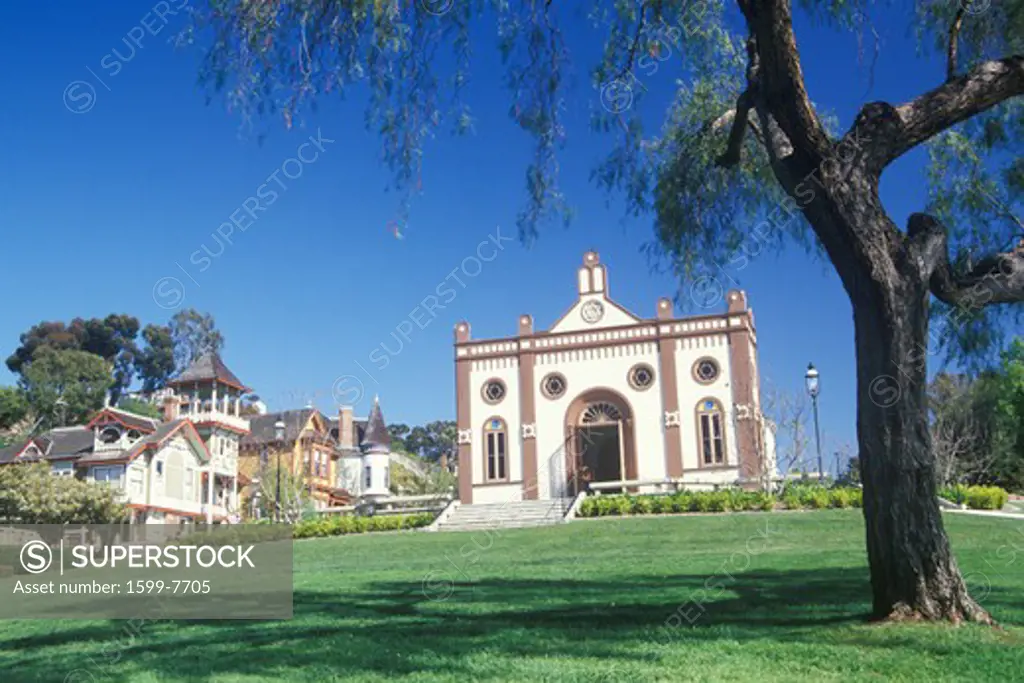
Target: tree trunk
{"type": "Point", "coordinates": [913, 572]}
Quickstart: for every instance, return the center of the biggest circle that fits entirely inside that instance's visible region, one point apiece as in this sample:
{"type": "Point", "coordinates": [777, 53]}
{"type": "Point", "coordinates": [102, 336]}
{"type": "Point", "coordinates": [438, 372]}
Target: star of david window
{"type": "Point", "coordinates": [554, 385]}
{"type": "Point", "coordinates": [641, 377]}
{"type": "Point", "coordinates": [705, 370]}
{"type": "Point", "coordinates": [494, 391]}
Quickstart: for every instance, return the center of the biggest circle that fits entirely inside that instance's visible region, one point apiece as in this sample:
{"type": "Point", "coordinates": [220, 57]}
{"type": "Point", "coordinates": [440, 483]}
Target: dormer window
{"type": "Point", "coordinates": [110, 435]}
{"type": "Point", "coordinates": [134, 435]}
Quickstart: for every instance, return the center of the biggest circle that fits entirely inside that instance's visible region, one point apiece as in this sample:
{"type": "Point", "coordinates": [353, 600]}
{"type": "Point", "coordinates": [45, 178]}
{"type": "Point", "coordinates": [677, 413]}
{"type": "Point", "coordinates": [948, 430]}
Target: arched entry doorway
{"type": "Point", "coordinates": [599, 434]}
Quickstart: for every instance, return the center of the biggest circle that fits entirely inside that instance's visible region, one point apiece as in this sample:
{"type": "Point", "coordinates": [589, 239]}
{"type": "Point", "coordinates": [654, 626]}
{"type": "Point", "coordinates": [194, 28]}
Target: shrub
{"type": "Point", "coordinates": [957, 493]}
{"type": "Point", "coordinates": [719, 501]}
{"type": "Point", "coordinates": [764, 501]}
{"type": "Point", "coordinates": [681, 501]}
{"type": "Point", "coordinates": [343, 525]}
{"type": "Point", "coordinates": [641, 505]}
{"type": "Point", "coordinates": [986, 498]}
{"type": "Point", "coordinates": [791, 501]}
{"type": "Point", "coordinates": [661, 504]}
{"type": "Point", "coordinates": [588, 508]}
{"type": "Point", "coordinates": [840, 498]}
{"type": "Point", "coordinates": [818, 499]}
{"type": "Point", "coordinates": [856, 497]}
{"type": "Point", "coordinates": [622, 506]}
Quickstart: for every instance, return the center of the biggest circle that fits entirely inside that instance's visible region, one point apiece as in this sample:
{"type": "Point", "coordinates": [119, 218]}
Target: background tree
{"type": "Point", "coordinates": [13, 407]}
{"type": "Point", "coordinates": [398, 433]}
{"type": "Point", "coordinates": [140, 407]}
{"type": "Point", "coordinates": [111, 338]}
{"type": "Point", "coordinates": [77, 378]}
{"type": "Point", "coordinates": [789, 411]}
{"type": "Point", "coordinates": [742, 141]}
{"type": "Point", "coordinates": [155, 362]}
{"type": "Point", "coordinates": [194, 334]}
{"type": "Point", "coordinates": [294, 498]}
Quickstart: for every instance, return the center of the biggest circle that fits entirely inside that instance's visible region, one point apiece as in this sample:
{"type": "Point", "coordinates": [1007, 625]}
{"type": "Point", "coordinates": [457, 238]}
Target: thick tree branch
{"type": "Point", "coordinates": [954, 38]}
{"type": "Point", "coordinates": [891, 131]}
{"type": "Point", "coordinates": [740, 121]}
{"type": "Point", "coordinates": [996, 279]}
{"type": "Point", "coordinates": [781, 81]}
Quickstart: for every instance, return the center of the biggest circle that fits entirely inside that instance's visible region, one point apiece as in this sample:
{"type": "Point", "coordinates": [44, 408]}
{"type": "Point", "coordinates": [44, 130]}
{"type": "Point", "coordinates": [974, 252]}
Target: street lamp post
{"type": "Point", "coordinates": [813, 388]}
{"type": "Point", "coordinates": [279, 437]}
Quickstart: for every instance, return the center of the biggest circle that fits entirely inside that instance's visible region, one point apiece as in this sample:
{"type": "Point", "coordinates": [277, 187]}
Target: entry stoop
{"type": "Point", "coordinates": [508, 515]}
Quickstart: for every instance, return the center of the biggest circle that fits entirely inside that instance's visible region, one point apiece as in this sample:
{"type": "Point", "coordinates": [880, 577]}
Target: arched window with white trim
{"type": "Point", "coordinates": [495, 450]}
{"type": "Point", "coordinates": [711, 432]}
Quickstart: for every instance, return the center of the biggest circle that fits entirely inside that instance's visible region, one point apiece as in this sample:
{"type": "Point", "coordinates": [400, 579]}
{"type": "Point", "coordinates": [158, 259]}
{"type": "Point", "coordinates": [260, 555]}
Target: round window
{"type": "Point", "coordinates": [705, 370]}
{"type": "Point", "coordinates": [494, 391]}
{"type": "Point", "coordinates": [554, 385]}
{"type": "Point", "coordinates": [641, 377]}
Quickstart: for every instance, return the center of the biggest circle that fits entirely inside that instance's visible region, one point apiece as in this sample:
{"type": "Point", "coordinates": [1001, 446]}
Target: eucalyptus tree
{"type": "Point", "coordinates": [743, 142]}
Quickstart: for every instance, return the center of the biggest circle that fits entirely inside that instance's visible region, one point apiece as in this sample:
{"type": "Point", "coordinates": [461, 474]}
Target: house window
{"type": "Point", "coordinates": [190, 476]}
{"type": "Point", "coordinates": [368, 476]}
{"type": "Point", "coordinates": [712, 435]}
{"type": "Point", "coordinates": [496, 450]}
{"type": "Point", "coordinates": [387, 478]}
{"type": "Point", "coordinates": [110, 435]}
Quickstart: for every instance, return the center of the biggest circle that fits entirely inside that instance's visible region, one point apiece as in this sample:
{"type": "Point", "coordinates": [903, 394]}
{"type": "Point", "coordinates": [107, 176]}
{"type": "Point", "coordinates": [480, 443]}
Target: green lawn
{"type": "Point", "coordinates": [786, 599]}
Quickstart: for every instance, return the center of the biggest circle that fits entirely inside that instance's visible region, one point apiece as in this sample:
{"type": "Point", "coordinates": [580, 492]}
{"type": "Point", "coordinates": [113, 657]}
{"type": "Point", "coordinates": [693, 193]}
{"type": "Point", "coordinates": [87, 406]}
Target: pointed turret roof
{"type": "Point", "coordinates": [376, 433]}
{"type": "Point", "coordinates": [209, 367]}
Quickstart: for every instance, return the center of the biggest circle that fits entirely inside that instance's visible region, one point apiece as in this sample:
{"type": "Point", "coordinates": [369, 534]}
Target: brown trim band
{"type": "Point", "coordinates": [528, 412]}
{"type": "Point", "coordinates": [463, 419]}
{"type": "Point", "coordinates": [670, 404]}
{"type": "Point", "coordinates": [741, 374]}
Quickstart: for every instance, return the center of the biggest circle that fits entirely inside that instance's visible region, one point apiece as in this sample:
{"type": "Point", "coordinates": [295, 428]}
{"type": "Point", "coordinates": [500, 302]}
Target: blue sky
{"type": "Point", "coordinates": [98, 209]}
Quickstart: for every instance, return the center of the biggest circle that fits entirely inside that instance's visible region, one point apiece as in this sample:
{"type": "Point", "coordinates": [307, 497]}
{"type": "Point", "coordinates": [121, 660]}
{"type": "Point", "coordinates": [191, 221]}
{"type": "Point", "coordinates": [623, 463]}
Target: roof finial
{"type": "Point", "coordinates": [376, 399]}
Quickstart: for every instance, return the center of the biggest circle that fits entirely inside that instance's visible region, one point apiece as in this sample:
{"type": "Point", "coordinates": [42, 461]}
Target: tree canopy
{"type": "Point", "coordinates": [742, 143]}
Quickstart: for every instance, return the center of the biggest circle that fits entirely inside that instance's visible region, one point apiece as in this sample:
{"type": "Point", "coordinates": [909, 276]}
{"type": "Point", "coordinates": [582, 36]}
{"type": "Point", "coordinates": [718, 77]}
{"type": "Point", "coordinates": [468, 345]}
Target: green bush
{"type": "Point", "coordinates": [818, 500]}
{"type": "Point", "coordinates": [957, 493]}
{"type": "Point", "coordinates": [840, 498]}
{"type": "Point", "coordinates": [764, 501]}
{"type": "Point", "coordinates": [661, 505]}
{"type": "Point", "coordinates": [986, 498]}
{"type": "Point", "coordinates": [342, 525]}
{"type": "Point", "coordinates": [792, 501]}
{"type": "Point", "coordinates": [622, 506]}
{"type": "Point", "coordinates": [641, 505]}
{"type": "Point", "coordinates": [588, 508]}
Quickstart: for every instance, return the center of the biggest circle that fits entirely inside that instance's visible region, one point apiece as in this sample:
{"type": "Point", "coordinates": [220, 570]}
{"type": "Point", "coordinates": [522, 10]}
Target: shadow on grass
{"type": "Point", "coordinates": [396, 628]}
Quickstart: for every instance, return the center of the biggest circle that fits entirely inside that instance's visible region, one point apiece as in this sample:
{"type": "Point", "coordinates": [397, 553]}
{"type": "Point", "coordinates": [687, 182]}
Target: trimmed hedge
{"type": "Point", "coordinates": [986, 498]}
{"type": "Point", "coordinates": [339, 525]}
{"type": "Point", "coordinates": [976, 497]}
{"type": "Point", "coordinates": [725, 500]}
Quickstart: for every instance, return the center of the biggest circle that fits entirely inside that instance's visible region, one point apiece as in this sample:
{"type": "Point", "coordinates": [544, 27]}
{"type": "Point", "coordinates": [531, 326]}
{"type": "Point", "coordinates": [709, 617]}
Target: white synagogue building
{"type": "Point", "coordinates": [607, 397]}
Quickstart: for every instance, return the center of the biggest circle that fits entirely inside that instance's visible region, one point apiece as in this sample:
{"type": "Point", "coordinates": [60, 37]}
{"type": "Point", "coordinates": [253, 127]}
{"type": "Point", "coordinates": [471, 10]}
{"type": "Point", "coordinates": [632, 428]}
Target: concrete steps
{"type": "Point", "coordinates": [508, 515]}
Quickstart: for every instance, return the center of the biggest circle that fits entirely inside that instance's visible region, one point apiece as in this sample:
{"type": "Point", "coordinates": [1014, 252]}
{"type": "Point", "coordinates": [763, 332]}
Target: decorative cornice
{"type": "Point", "coordinates": [643, 332]}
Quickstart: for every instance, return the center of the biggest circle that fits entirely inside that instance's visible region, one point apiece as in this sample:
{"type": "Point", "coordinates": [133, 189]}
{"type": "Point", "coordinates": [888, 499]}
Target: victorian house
{"type": "Point", "coordinates": [181, 468]}
{"type": "Point", "coordinates": [337, 460]}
